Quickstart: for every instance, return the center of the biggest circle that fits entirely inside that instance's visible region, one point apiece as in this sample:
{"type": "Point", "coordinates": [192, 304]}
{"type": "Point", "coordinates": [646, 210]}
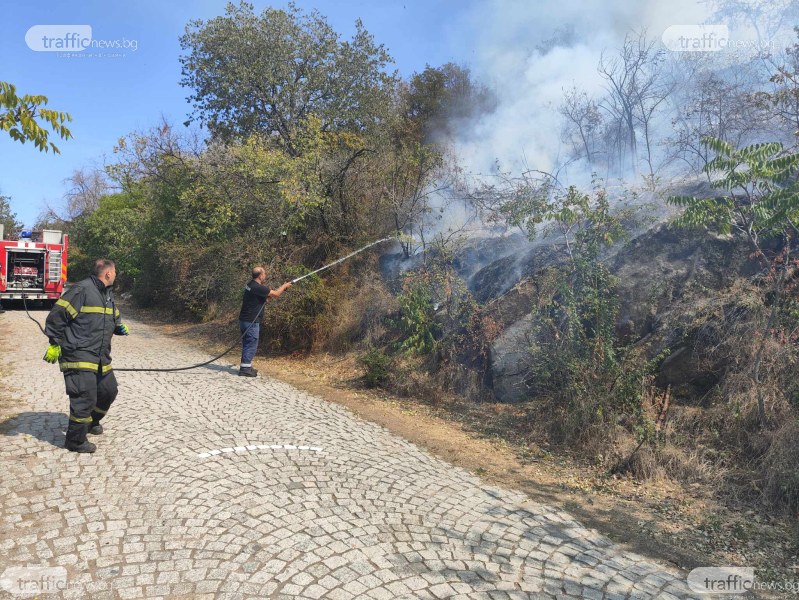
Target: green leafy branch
{"type": "Point", "coordinates": [21, 117]}
{"type": "Point", "coordinates": [761, 199]}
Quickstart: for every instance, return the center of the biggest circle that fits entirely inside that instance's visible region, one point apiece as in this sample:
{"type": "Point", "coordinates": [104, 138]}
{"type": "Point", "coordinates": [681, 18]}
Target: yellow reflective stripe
{"type": "Point", "coordinates": [102, 412]}
{"type": "Point", "coordinates": [97, 309]}
{"type": "Point", "coordinates": [84, 365]}
{"type": "Point", "coordinates": [67, 306]}
{"type": "Point", "coordinates": [79, 365]}
{"type": "Point", "coordinates": [116, 314]}
{"type": "Point", "coordinates": [80, 419]}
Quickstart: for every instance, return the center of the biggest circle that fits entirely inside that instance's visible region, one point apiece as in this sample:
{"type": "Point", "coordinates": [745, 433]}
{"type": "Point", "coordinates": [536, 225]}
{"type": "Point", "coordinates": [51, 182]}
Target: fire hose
{"type": "Point", "coordinates": [238, 341]}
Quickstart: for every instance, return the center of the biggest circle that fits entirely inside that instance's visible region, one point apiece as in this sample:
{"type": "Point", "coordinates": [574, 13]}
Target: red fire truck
{"type": "Point", "coordinates": [34, 266]}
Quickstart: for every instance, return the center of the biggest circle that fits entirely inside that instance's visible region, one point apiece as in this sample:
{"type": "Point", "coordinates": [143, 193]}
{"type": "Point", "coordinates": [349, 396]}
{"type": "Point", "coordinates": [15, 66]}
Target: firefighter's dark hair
{"type": "Point", "coordinates": [101, 265]}
{"type": "Point", "coordinates": [256, 272]}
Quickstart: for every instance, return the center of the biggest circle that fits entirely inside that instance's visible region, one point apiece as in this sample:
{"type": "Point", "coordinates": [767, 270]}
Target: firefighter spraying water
{"type": "Point", "coordinates": [255, 296]}
{"type": "Point", "coordinates": [236, 344]}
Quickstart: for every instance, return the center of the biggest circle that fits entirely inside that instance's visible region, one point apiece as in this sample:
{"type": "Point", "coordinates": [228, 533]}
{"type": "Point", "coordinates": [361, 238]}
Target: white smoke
{"type": "Point", "coordinates": [511, 55]}
{"type": "Point", "coordinates": [529, 53]}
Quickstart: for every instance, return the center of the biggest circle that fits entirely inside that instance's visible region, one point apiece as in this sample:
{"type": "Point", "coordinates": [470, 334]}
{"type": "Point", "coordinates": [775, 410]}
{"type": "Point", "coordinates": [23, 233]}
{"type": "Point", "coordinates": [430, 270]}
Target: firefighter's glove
{"type": "Point", "coordinates": [121, 329]}
{"type": "Point", "coordinates": [53, 354]}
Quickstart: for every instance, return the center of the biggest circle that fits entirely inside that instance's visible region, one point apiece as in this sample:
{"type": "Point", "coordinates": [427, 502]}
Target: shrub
{"type": "Point", "coordinates": [377, 365]}
{"type": "Point", "coordinates": [417, 313]}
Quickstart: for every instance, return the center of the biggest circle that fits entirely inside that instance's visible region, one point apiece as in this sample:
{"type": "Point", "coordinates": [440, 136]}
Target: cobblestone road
{"type": "Point", "coordinates": [206, 484]}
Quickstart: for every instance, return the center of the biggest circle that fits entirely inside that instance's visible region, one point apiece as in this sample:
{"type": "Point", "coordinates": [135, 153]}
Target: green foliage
{"type": "Point", "coordinates": [8, 218]}
{"type": "Point", "coordinates": [211, 214]}
{"type": "Point", "coordinates": [417, 313]}
{"type": "Point", "coordinates": [438, 98]}
{"type": "Point", "coordinates": [377, 365]}
{"type": "Point", "coordinates": [311, 156]}
{"type": "Point", "coordinates": [291, 321]}
{"type": "Point", "coordinates": [762, 202]}
{"type": "Point", "coordinates": [576, 361]}
{"type": "Point", "coordinates": [762, 196]}
{"type": "Point", "coordinates": [440, 321]}
{"type": "Point", "coordinates": [783, 101]}
{"type": "Point", "coordinates": [584, 224]}
{"type": "Point", "coordinates": [406, 169]}
{"type": "Point", "coordinates": [268, 73]}
{"type": "Point", "coordinates": [20, 117]}
{"type": "Point", "coordinates": [293, 189]}
{"type": "Point", "coordinates": [114, 231]}
{"type": "Point", "coordinates": [576, 356]}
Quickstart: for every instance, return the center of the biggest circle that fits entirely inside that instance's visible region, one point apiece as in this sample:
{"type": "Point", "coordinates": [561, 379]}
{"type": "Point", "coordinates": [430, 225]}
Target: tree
{"type": "Point", "coordinates": [717, 103]}
{"type": "Point", "coordinates": [20, 116]}
{"type": "Point", "coordinates": [410, 173]}
{"type": "Point", "coordinates": [8, 218]}
{"type": "Point", "coordinates": [269, 73]}
{"type": "Point", "coordinates": [766, 17]}
{"type": "Point", "coordinates": [50, 218]}
{"type": "Point", "coordinates": [583, 120]}
{"type": "Point", "coordinates": [635, 91]}
{"type": "Point", "coordinates": [438, 99]}
{"type": "Point", "coordinates": [114, 229]}
{"type": "Point", "coordinates": [783, 100]}
{"type": "Point", "coordinates": [87, 187]}
{"type": "Point", "coordinates": [576, 362]}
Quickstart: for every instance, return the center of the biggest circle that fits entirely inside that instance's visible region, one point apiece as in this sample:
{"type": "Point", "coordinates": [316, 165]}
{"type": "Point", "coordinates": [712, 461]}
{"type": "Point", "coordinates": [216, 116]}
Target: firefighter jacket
{"type": "Point", "coordinates": [82, 323]}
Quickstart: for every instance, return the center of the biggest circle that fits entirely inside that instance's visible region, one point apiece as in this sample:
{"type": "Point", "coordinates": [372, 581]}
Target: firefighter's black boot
{"type": "Point", "coordinates": [76, 436]}
{"type": "Point", "coordinates": [248, 372]}
{"type": "Point", "coordinates": [84, 448]}
{"type": "Point", "coordinates": [96, 429]}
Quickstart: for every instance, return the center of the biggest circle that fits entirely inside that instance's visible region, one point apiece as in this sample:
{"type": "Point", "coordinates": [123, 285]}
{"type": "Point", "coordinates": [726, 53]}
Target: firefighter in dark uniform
{"type": "Point", "coordinates": [80, 327]}
{"type": "Point", "coordinates": [251, 315]}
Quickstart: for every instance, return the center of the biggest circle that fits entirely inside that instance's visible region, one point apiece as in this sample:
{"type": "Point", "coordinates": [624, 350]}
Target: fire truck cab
{"type": "Point", "coordinates": [33, 266]}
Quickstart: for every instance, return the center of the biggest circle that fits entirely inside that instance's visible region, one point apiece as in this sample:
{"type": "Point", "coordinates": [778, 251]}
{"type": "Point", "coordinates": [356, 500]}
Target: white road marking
{"type": "Point", "coordinates": [242, 449]}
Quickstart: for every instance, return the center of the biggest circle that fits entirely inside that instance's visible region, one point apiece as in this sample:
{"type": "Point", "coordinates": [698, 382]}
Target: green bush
{"type": "Point", "coordinates": [417, 313]}
{"type": "Point", "coordinates": [577, 362]}
{"type": "Point", "coordinates": [377, 365]}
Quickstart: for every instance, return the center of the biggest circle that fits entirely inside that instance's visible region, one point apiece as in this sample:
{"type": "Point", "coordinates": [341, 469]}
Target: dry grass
{"type": "Point", "coordinates": [690, 465]}
{"type": "Point", "coordinates": [781, 468]}
{"type": "Point", "coordinates": [356, 316]}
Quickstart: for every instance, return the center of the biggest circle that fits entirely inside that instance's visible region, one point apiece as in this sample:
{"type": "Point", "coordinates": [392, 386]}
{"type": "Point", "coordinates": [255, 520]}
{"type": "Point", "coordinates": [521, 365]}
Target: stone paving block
{"type": "Point", "coordinates": [382, 593]}
{"type": "Point", "coordinates": [340, 594]}
{"type": "Point", "coordinates": [131, 592]}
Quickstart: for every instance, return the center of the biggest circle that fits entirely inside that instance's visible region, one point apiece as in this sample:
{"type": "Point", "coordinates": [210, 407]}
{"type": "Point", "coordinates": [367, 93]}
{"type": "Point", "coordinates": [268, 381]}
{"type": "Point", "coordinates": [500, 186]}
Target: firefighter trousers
{"type": "Point", "coordinates": [90, 396]}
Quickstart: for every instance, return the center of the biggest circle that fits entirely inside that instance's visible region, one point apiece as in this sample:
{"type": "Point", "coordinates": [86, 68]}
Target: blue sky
{"type": "Point", "coordinates": [111, 96]}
